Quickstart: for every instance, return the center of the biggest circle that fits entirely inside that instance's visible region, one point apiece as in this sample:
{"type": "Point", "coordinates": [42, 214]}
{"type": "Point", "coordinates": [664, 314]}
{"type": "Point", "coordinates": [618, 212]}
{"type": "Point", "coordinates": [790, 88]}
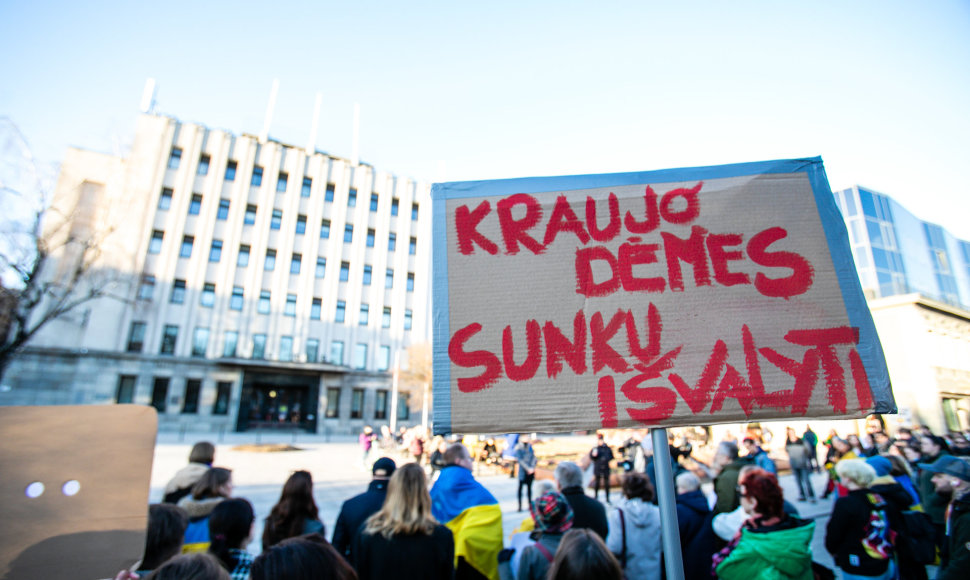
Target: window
{"type": "Point", "coordinates": [352, 198]}
{"type": "Point", "coordinates": [370, 238]}
{"type": "Point", "coordinates": [276, 220]}
{"type": "Point", "coordinates": [414, 212]}
{"type": "Point", "coordinates": [221, 406]}
{"type": "Point", "coordinates": [165, 200]}
{"type": "Point", "coordinates": [384, 358]}
{"type": "Point", "coordinates": [236, 300]}
{"type": "Point", "coordinates": [178, 292]}
{"type": "Point", "coordinates": [259, 346]}
{"type": "Point", "coordinates": [270, 264]}
{"type": "Point", "coordinates": [341, 313]}
{"type": "Point", "coordinates": [386, 317]}
{"type": "Point", "coordinates": [155, 245]}
{"type": "Point", "coordinates": [290, 308]}
{"type": "Point", "coordinates": [348, 233]}
{"type": "Point", "coordinates": [391, 241]}
{"type": "Point", "coordinates": [195, 205]}
{"type": "Point", "coordinates": [208, 295]}
{"type": "Point", "coordinates": [360, 356]}
{"type": "Point", "coordinates": [203, 164]}
{"type": "Point", "coordinates": [337, 352]}
{"type": "Point", "coordinates": [413, 246]}
{"type": "Point", "coordinates": [403, 406]}
{"type": "Point", "coordinates": [126, 389]}
{"type": "Point", "coordinates": [333, 402]}
{"type": "Point", "coordinates": [147, 287]}
{"type": "Point", "coordinates": [136, 336]}
{"type": "Point", "coordinates": [257, 178]}
{"type": "Point", "coordinates": [367, 275]}
{"type": "Point", "coordinates": [249, 218]}
{"type": "Point", "coordinates": [407, 320]}
{"type": "Point", "coordinates": [223, 212]}
{"type": "Point", "coordinates": [231, 171]}
{"type": "Point", "coordinates": [357, 404]}
{"type": "Point", "coordinates": [315, 309]}
{"type": "Point", "coordinates": [186, 250]}
{"type": "Point", "coordinates": [281, 182]}
{"type": "Point", "coordinates": [373, 201]}
{"type": "Point", "coordinates": [312, 350]}
{"type": "Point", "coordinates": [190, 404]}
{"type": "Point", "coordinates": [389, 278]}
{"type": "Point", "coordinates": [215, 251]}
{"type": "Point", "coordinates": [328, 196]}
{"type": "Point", "coordinates": [263, 305]}
{"type": "Point", "coordinates": [230, 339]}
{"type": "Point", "coordinates": [286, 348]}
{"type": "Point", "coordinates": [301, 224]}
{"type": "Point", "coordinates": [380, 404]}
{"type": "Point", "coordinates": [307, 186]}
{"type": "Point", "coordinates": [160, 393]}
{"type": "Point", "coordinates": [174, 158]}
{"type": "Point", "coordinates": [394, 206]}
{"type": "Point", "coordinates": [295, 262]}
{"type": "Point", "coordinates": [364, 314]}
{"type": "Point", "coordinates": [169, 336]}
{"type": "Point", "coordinates": [325, 230]}
{"type": "Point", "coordinates": [242, 260]}
{"type": "Point", "coordinates": [200, 342]}
{"type": "Point", "coordinates": [321, 270]}
{"type": "Point", "coordinates": [410, 281]}
{"type": "Point", "coordinates": [344, 271]}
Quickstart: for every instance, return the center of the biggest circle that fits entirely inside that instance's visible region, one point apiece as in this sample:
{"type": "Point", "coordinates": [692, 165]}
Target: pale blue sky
{"type": "Point", "coordinates": [879, 89]}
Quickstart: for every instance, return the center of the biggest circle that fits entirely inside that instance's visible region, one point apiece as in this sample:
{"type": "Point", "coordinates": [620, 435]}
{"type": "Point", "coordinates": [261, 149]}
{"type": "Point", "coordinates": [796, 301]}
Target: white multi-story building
{"type": "Point", "coordinates": [260, 284]}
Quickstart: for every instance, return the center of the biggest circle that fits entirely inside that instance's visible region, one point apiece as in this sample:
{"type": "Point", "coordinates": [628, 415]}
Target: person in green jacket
{"type": "Point", "coordinates": [770, 545]}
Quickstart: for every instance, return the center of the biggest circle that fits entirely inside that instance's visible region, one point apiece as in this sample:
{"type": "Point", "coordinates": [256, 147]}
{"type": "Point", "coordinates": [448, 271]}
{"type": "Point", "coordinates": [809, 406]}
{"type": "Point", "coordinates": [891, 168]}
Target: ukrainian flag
{"type": "Point", "coordinates": [473, 515]}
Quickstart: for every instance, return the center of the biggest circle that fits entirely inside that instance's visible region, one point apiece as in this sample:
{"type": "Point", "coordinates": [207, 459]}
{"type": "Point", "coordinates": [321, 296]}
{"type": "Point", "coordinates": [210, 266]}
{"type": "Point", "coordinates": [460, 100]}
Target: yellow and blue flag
{"type": "Point", "coordinates": [474, 517]}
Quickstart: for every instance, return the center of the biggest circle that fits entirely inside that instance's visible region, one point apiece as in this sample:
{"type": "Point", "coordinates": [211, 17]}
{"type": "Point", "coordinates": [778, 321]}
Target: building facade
{"type": "Point", "coordinates": [916, 277]}
{"type": "Point", "coordinates": [255, 284]}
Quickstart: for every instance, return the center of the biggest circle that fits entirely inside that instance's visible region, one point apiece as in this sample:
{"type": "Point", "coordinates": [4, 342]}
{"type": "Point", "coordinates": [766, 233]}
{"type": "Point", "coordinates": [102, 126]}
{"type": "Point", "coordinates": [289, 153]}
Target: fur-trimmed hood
{"type": "Point", "coordinates": [186, 477]}
{"type": "Point", "coordinates": [197, 508]}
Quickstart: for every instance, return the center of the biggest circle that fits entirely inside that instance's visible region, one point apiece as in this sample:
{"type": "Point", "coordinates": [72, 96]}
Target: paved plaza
{"type": "Point", "coordinates": [338, 474]}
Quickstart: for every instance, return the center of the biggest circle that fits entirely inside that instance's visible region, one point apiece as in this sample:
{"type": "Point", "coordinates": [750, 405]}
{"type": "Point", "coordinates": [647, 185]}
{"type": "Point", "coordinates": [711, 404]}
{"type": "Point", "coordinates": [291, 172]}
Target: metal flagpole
{"type": "Point", "coordinates": [667, 502]}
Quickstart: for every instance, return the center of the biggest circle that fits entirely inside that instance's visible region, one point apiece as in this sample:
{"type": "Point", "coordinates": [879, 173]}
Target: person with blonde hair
{"type": "Point", "coordinates": [860, 533]}
{"type": "Point", "coordinates": [403, 539]}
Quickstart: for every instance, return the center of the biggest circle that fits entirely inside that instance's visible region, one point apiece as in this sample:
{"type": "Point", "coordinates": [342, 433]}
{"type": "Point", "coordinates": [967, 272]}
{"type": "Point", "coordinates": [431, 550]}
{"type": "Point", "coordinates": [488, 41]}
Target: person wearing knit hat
{"type": "Point", "coordinates": [553, 517]}
{"type": "Point", "coordinates": [951, 475]}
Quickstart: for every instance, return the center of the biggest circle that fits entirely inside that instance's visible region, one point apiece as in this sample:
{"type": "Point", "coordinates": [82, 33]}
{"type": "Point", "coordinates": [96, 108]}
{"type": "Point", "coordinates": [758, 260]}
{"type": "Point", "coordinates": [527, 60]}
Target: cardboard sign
{"type": "Point", "coordinates": [74, 484]}
{"type": "Point", "coordinates": [677, 297]}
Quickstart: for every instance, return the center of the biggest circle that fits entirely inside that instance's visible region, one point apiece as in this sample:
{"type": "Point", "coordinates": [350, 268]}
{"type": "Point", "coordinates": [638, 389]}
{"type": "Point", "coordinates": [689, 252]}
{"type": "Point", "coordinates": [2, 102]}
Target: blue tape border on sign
{"type": "Point", "coordinates": [832, 223]}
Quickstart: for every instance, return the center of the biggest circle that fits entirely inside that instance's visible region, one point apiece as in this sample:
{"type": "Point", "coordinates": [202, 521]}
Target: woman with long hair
{"type": "Point", "coordinates": [581, 555]}
{"type": "Point", "coordinates": [770, 543]}
{"type": "Point", "coordinates": [231, 529]}
{"type": "Point", "coordinates": [403, 540]}
{"type": "Point", "coordinates": [295, 514]}
{"type": "Point", "coordinates": [302, 558]}
{"type": "Point", "coordinates": [214, 486]}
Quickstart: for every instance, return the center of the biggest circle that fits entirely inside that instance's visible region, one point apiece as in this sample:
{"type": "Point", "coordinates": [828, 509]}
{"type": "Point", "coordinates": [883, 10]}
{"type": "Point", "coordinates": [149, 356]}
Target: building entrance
{"type": "Point", "coordinates": [278, 402]}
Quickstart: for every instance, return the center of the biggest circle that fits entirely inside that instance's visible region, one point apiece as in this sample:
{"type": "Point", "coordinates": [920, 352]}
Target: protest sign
{"type": "Point", "coordinates": [677, 297]}
{"type": "Point", "coordinates": [74, 483]}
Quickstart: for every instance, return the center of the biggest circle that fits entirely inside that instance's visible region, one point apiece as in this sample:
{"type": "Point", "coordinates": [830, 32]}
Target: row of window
{"type": "Point", "coordinates": [230, 346]}
{"type": "Point", "coordinates": [282, 181]}
{"type": "Point", "coordinates": [193, 389]}
{"type": "Point", "coordinates": [207, 298]}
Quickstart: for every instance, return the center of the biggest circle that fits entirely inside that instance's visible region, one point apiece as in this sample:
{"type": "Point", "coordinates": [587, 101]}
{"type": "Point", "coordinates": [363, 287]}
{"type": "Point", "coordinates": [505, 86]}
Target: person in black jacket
{"type": "Point", "coordinates": [357, 509]}
{"type": "Point", "coordinates": [587, 512]}
{"type": "Point", "coordinates": [601, 456]}
{"type": "Point", "coordinates": [694, 522]}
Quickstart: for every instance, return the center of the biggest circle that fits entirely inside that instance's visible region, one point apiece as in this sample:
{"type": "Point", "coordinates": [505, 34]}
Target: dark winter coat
{"type": "Point", "coordinates": [847, 527]}
{"type": "Point", "coordinates": [601, 456]}
{"type": "Point", "coordinates": [353, 513]}
{"type": "Point", "coordinates": [416, 556]}
{"type": "Point", "coordinates": [696, 535]}
{"type": "Point", "coordinates": [726, 486]}
{"type": "Point", "coordinates": [956, 555]}
{"type": "Point", "coordinates": [587, 512]}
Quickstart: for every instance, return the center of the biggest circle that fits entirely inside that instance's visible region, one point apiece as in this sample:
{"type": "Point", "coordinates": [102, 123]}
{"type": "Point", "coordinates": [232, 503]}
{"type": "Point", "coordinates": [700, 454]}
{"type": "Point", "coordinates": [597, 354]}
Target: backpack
{"type": "Point", "coordinates": [916, 542]}
{"type": "Point", "coordinates": [878, 539]}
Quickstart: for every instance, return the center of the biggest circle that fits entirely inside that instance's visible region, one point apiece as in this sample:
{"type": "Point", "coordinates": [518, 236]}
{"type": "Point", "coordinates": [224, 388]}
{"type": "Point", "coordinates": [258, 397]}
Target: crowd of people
{"type": "Point", "coordinates": [901, 503]}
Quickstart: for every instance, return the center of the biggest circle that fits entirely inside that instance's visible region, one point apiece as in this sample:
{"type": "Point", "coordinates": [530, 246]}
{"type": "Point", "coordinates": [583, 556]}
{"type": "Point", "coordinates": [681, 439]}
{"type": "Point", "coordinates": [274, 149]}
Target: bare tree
{"type": "Point", "coordinates": [47, 264]}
